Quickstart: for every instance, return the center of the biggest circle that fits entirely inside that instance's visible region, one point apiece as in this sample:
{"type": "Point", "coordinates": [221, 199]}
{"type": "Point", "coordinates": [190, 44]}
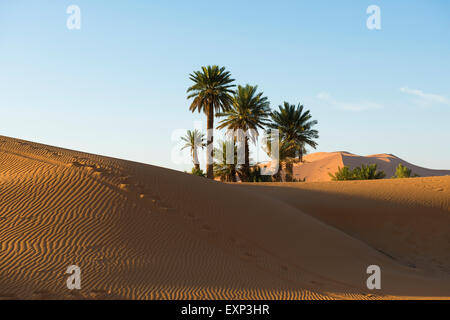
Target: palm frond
{"type": "Point", "coordinates": [295, 125]}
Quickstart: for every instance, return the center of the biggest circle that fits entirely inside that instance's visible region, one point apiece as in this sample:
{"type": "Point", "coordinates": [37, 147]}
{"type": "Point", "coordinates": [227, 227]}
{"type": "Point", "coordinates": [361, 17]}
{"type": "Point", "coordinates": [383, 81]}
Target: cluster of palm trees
{"type": "Point", "coordinates": [243, 112]}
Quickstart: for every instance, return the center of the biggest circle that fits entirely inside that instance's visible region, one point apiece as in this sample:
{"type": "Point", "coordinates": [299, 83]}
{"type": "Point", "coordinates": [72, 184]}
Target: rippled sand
{"type": "Point", "coordinates": [144, 232]}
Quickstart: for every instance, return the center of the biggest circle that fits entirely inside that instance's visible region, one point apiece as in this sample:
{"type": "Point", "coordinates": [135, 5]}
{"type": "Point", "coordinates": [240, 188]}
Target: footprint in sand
{"type": "Point", "coordinates": [50, 151]}
{"type": "Point", "coordinates": [100, 294]}
{"type": "Point", "coordinates": [96, 169]}
{"type": "Point", "coordinates": [156, 201]}
{"type": "Point", "coordinates": [124, 187]}
{"type": "Point", "coordinates": [75, 164]}
{"type": "Point", "coordinates": [146, 196]}
{"type": "Point", "coordinates": [125, 179]}
{"type": "Point", "coordinates": [249, 255]}
{"type": "Point", "coordinates": [192, 216]}
{"type": "Point", "coordinates": [207, 228]}
{"type": "Point", "coordinates": [99, 173]}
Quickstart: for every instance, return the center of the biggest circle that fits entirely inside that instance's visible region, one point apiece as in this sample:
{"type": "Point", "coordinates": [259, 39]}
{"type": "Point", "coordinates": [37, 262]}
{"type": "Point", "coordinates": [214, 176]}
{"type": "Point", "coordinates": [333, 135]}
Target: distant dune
{"type": "Point", "coordinates": [317, 165]}
{"type": "Point", "coordinates": [143, 232]}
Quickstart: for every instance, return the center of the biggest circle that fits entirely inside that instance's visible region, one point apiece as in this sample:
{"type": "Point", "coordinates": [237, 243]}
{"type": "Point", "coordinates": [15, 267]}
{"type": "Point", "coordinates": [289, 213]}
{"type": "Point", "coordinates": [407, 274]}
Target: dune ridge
{"type": "Point", "coordinates": [144, 232]}
{"type": "Point", "coordinates": [316, 166]}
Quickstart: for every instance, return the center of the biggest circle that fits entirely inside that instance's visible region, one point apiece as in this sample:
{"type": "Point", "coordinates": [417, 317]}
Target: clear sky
{"type": "Point", "coordinates": [117, 86]}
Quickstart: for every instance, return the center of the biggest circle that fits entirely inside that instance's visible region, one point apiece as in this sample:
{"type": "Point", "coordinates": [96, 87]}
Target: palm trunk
{"type": "Point", "coordinates": [235, 163]}
{"type": "Point", "coordinates": [210, 144]}
{"type": "Point", "coordinates": [300, 155]}
{"type": "Point", "coordinates": [247, 160]}
{"type": "Point", "coordinates": [289, 172]}
{"type": "Point", "coordinates": [195, 159]}
{"type": "Point", "coordinates": [233, 175]}
{"type": "Point", "coordinates": [277, 176]}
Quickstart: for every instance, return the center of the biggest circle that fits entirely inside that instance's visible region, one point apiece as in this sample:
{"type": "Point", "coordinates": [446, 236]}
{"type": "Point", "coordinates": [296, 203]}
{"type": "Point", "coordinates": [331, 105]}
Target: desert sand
{"type": "Point", "coordinates": [316, 166]}
{"type": "Point", "coordinates": [144, 232]}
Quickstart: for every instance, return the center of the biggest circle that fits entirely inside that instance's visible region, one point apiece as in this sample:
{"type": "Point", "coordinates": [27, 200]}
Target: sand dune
{"type": "Point", "coordinates": [407, 219]}
{"type": "Point", "coordinates": [144, 232]}
{"type": "Point", "coordinates": [317, 165]}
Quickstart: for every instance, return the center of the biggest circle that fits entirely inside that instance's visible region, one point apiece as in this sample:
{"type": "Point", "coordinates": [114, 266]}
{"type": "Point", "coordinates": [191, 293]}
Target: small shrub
{"type": "Point", "coordinates": [198, 172]}
{"type": "Point", "coordinates": [369, 172]}
{"type": "Point", "coordinates": [255, 175]}
{"type": "Point", "coordinates": [364, 172]}
{"type": "Point", "coordinates": [403, 172]}
{"type": "Point", "coordinates": [342, 174]}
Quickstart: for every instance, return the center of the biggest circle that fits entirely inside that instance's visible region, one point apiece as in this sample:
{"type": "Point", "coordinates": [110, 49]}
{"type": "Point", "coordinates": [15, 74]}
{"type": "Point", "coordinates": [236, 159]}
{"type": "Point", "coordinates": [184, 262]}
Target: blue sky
{"type": "Point", "coordinates": [118, 85]}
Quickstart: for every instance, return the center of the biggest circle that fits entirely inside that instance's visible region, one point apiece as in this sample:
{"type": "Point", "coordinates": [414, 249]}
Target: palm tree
{"type": "Point", "coordinates": [194, 140]}
{"type": "Point", "coordinates": [295, 125]}
{"type": "Point", "coordinates": [249, 112]}
{"type": "Point", "coordinates": [286, 155]}
{"type": "Point", "coordinates": [212, 91]}
{"type": "Point", "coordinates": [223, 169]}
